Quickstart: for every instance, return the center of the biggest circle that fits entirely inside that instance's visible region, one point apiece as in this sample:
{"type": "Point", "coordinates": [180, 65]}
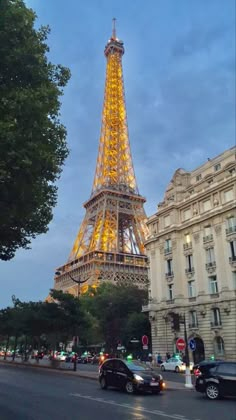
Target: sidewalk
{"type": "Point", "coordinates": [170, 385]}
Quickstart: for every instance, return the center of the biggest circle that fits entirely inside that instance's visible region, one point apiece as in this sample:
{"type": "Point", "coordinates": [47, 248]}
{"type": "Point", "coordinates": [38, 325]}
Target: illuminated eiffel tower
{"type": "Point", "coordinates": [110, 242]}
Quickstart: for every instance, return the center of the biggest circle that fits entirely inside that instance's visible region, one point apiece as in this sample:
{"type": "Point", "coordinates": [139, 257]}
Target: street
{"type": "Point", "coordinates": [35, 394]}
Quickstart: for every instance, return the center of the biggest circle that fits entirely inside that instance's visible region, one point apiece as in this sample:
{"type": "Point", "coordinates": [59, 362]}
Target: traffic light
{"type": "Point", "coordinates": [175, 322]}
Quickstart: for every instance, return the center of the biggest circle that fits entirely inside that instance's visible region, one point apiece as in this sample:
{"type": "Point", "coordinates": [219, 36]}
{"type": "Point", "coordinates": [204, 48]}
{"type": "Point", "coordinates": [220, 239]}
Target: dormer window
{"type": "Point", "coordinates": [217, 167]}
{"type": "Point", "coordinates": [199, 177]}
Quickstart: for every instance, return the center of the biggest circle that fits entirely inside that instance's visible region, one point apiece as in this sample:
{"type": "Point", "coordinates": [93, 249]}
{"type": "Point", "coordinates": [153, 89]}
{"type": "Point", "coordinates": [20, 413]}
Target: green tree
{"type": "Point", "coordinates": [32, 139]}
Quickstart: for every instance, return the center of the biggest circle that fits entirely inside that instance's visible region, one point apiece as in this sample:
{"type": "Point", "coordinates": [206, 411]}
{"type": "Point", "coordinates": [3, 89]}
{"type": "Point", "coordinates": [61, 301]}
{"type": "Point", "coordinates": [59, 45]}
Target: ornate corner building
{"type": "Point", "coordinates": [110, 242]}
{"type": "Point", "coordinates": [192, 252]}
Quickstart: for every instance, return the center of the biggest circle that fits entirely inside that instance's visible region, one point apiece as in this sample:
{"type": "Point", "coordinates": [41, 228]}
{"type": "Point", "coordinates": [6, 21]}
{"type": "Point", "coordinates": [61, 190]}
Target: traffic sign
{"type": "Point", "coordinates": [180, 344]}
{"type": "Point", "coordinates": [192, 344]}
{"type": "Point", "coordinates": [145, 340]}
{"type": "Point", "coordinates": [145, 347]}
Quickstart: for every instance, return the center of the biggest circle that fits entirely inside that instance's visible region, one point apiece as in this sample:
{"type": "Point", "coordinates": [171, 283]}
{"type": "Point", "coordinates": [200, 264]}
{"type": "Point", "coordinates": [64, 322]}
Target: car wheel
{"type": "Point", "coordinates": [129, 387]}
{"type": "Point", "coordinates": [163, 368]}
{"type": "Point", "coordinates": [103, 383]}
{"type": "Point", "coordinates": [212, 391]}
{"type": "Point", "coordinates": [177, 369]}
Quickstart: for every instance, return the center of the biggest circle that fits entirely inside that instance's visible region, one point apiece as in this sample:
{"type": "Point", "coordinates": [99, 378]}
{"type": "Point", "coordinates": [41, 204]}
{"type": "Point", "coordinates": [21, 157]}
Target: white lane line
{"type": "Point", "coordinates": [140, 409]}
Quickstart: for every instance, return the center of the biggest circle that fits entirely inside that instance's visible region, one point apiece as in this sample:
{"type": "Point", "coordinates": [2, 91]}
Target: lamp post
{"type": "Point", "coordinates": [188, 379]}
{"type": "Point", "coordinates": [79, 282]}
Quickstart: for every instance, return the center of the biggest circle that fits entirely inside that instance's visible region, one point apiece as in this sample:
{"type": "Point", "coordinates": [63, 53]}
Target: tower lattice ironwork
{"type": "Point", "coordinates": [110, 242]}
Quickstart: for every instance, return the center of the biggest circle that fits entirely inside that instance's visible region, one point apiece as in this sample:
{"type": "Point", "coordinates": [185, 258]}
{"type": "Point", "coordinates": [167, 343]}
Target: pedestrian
{"type": "Point", "coordinates": [159, 359]}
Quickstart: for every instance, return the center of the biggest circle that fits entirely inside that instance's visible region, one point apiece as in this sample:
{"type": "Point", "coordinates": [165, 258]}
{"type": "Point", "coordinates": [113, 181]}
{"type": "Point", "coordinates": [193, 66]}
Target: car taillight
{"type": "Point", "coordinates": [197, 372]}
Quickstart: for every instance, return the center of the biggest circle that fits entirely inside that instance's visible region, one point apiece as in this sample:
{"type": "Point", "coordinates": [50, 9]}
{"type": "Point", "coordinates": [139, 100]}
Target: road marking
{"type": "Point", "coordinates": [124, 405]}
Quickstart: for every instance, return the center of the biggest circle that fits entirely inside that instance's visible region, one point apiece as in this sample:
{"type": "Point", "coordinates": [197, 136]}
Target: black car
{"type": "Point", "coordinates": [129, 375]}
{"type": "Point", "coordinates": [216, 378]}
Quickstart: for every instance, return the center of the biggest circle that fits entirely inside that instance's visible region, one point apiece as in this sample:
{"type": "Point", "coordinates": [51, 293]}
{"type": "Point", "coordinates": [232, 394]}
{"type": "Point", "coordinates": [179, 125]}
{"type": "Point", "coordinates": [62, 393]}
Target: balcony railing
{"type": "Point", "coordinates": [167, 251]}
{"type": "Point", "coordinates": [232, 259]}
{"type": "Point", "coordinates": [216, 324]}
{"type": "Point", "coordinates": [211, 264]}
{"type": "Point", "coordinates": [189, 270]}
{"type": "Point", "coordinates": [230, 230]}
{"type": "Point", "coordinates": [193, 325]}
{"type": "Point", "coordinates": [169, 274]}
{"type": "Point", "coordinates": [187, 245]}
{"type": "Point", "coordinates": [208, 238]}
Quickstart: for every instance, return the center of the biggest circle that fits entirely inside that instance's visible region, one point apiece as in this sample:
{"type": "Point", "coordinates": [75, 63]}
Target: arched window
{"type": "Point", "coordinates": [219, 346]}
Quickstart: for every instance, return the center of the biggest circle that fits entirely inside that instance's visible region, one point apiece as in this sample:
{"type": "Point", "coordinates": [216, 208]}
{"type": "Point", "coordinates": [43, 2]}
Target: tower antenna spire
{"type": "Point", "coordinates": [114, 28]}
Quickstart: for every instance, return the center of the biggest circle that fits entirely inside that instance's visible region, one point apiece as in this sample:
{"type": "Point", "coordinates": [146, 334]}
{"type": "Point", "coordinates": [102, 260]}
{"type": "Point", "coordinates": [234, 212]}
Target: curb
{"type": "Point", "coordinates": [171, 386]}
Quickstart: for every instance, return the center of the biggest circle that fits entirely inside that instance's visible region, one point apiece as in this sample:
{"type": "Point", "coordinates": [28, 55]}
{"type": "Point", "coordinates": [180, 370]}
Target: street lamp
{"type": "Point", "coordinates": [188, 379]}
{"type": "Point", "coordinates": [79, 282]}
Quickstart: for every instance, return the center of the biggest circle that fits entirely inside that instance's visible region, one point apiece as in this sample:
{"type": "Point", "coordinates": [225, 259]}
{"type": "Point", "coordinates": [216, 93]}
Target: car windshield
{"type": "Point", "coordinates": [134, 365]}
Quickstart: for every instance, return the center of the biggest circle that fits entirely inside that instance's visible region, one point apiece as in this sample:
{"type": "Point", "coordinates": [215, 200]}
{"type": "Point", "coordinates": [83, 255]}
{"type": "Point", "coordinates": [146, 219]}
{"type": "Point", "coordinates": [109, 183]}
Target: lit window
{"type": "Point", "coordinates": [191, 289]}
{"type": "Point", "coordinates": [215, 317]}
{"type": "Point", "coordinates": [187, 238]}
{"type": "Point", "coordinates": [217, 167]}
{"type": "Point", "coordinates": [213, 286]}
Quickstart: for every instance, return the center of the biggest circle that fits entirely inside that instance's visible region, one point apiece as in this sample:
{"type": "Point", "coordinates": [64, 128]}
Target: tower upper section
{"type": "Point", "coordinates": [114, 169]}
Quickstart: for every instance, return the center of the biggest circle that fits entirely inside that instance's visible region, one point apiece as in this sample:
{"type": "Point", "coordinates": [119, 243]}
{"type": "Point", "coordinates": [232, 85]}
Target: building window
{"type": "Point", "coordinates": [198, 177]}
{"type": "Point", "coordinates": [217, 167]}
{"type": "Point", "coordinates": [228, 196]}
{"type": "Point", "coordinates": [215, 317]}
{"type": "Point", "coordinates": [206, 205]}
{"type": "Point", "coordinates": [169, 267]}
{"type": "Point", "coordinates": [234, 279]}
{"type": "Point", "coordinates": [191, 289]}
{"type": "Point", "coordinates": [210, 256]}
{"type": "Point", "coordinates": [231, 225]}
{"type": "Point", "coordinates": [213, 286]}
{"type": "Point", "coordinates": [193, 319]}
{"type": "Point", "coordinates": [219, 346]}
{"type": "Point", "coordinates": [170, 292]}
{"type": "Point", "coordinates": [167, 221]}
{"type": "Point", "coordinates": [232, 247]}
{"type": "Point", "coordinates": [189, 263]}
{"type": "Point", "coordinates": [168, 246]}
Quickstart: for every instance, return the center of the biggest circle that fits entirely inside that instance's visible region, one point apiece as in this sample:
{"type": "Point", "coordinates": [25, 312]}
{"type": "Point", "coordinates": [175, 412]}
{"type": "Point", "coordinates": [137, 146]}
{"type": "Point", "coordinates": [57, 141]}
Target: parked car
{"type": "Point", "coordinates": [216, 378]}
{"type": "Point", "coordinates": [62, 356]}
{"type": "Point", "coordinates": [176, 365]}
{"type": "Point", "coordinates": [130, 375]}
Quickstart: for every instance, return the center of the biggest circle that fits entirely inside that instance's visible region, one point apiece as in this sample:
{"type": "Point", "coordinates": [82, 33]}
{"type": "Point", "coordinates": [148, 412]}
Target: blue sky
{"type": "Point", "coordinates": [179, 67]}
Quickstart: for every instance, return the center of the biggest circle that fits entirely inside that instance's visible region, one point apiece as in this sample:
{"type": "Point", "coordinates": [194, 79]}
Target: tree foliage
{"type": "Point", "coordinates": [32, 139]}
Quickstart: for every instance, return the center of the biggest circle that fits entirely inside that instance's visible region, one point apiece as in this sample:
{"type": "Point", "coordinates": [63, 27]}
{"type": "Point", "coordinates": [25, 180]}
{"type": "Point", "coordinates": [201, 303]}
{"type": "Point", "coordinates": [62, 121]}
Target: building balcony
{"type": "Point", "coordinates": [189, 271]}
{"type": "Point", "coordinates": [207, 238]}
{"type": "Point", "coordinates": [230, 230]}
{"type": "Point", "coordinates": [187, 246]}
{"type": "Point", "coordinates": [170, 274]}
{"type": "Point", "coordinates": [193, 326]}
{"type": "Point", "coordinates": [167, 251]}
{"type": "Point", "coordinates": [216, 324]}
{"type": "Point", "coordinates": [170, 301]}
{"type": "Point", "coordinates": [232, 260]}
{"type": "Point", "coordinates": [211, 266]}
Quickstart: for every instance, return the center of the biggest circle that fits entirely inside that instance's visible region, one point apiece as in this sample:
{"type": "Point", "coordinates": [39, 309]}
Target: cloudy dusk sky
{"type": "Point", "coordinates": [179, 67]}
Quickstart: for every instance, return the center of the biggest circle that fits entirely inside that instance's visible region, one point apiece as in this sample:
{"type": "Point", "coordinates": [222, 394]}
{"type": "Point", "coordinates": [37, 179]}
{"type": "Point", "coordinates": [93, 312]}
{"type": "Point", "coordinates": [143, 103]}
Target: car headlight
{"type": "Point", "coordinates": [138, 377]}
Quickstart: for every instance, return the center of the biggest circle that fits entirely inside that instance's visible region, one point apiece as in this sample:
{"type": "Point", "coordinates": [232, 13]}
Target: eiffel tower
{"type": "Point", "coordinates": [110, 242]}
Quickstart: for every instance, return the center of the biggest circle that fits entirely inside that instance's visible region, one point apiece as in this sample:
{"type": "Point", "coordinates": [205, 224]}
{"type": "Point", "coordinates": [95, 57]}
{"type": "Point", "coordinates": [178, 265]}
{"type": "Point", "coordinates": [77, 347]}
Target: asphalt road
{"type": "Point", "coordinates": [88, 367]}
{"type": "Point", "coordinates": [30, 394]}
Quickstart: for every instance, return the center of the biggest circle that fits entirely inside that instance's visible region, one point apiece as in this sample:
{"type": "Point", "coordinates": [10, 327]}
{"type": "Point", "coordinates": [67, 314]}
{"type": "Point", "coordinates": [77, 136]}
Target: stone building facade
{"type": "Point", "coordinates": [192, 254]}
